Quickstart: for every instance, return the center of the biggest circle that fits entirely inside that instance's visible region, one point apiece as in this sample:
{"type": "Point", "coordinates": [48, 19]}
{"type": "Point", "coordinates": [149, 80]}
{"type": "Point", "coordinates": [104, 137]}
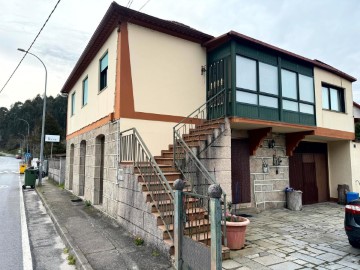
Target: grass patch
{"type": "Point", "coordinates": [71, 260]}
{"type": "Point", "coordinates": [139, 241]}
{"type": "Point", "coordinates": [66, 251]}
{"type": "Point", "coordinates": [61, 186]}
{"type": "Point", "coordinates": [155, 253]}
{"type": "Point", "coordinates": [87, 203]}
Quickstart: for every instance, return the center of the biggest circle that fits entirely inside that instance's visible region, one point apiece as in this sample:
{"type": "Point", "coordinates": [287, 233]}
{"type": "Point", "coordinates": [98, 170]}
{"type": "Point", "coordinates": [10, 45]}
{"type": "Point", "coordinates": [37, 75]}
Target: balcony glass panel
{"type": "Point", "coordinates": [306, 108]}
{"type": "Point", "coordinates": [334, 99]}
{"type": "Point", "coordinates": [268, 79]}
{"type": "Point", "coordinates": [306, 88]}
{"type": "Point", "coordinates": [246, 97]}
{"type": "Point", "coordinates": [288, 83]}
{"type": "Point", "coordinates": [325, 98]}
{"type": "Point", "coordinates": [245, 73]}
{"type": "Point", "coordinates": [290, 105]}
{"type": "Point", "coordinates": [268, 101]}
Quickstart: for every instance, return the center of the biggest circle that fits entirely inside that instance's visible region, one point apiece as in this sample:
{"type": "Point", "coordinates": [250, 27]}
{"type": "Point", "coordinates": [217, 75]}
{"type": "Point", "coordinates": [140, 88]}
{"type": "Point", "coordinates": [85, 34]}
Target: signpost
{"type": "Point", "coordinates": [52, 139]}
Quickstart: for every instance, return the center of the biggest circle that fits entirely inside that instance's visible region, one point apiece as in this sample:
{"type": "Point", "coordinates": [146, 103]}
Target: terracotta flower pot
{"type": "Point", "coordinates": [235, 232]}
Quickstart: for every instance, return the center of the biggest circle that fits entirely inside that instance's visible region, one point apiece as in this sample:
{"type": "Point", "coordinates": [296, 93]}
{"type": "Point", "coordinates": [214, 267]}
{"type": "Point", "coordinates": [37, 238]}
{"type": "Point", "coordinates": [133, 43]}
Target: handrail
{"type": "Point", "coordinates": [198, 109]}
{"type": "Point", "coordinates": [133, 148]}
{"type": "Point", "coordinates": [185, 159]}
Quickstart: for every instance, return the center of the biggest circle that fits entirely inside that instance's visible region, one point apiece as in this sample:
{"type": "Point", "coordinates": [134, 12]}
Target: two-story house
{"type": "Point", "coordinates": [278, 119]}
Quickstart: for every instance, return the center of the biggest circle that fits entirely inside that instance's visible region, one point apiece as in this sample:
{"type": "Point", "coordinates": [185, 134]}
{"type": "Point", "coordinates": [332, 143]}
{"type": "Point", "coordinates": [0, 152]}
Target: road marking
{"type": "Point", "coordinates": [3, 186]}
{"type": "Point", "coordinates": [27, 259]}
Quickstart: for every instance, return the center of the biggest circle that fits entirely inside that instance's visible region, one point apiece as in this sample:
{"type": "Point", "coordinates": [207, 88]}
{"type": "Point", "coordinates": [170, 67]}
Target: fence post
{"type": "Point", "coordinates": [178, 221]}
{"type": "Point", "coordinates": [215, 192]}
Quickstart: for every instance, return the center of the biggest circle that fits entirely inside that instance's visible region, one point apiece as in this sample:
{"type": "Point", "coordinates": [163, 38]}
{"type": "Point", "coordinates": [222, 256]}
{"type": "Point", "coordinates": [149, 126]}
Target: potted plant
{"type": "Point", "coordinates": [235, 229]}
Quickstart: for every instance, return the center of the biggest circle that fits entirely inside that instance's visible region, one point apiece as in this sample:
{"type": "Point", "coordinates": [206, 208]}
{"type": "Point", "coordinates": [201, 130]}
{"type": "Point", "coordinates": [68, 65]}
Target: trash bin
{"type": "Point", "coordinates": [22, 168]}
{"type": "Point", "coordinates": [294, 199]}
{"type": "Point", "coordinates": [30, 178]}
{"type": "Point", "coordinates": [342, 189]}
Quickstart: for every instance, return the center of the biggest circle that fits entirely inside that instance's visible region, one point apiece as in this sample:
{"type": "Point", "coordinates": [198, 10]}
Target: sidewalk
{"type": "Point", "coordinates": [96, 240]}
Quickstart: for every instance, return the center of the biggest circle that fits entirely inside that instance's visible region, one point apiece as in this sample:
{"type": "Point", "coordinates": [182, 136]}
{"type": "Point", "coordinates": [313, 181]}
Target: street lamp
{"type": "Point", "coordinates": [43, 120]}
{"type": "Point", "coordinates": [28, 134]}
{"type": "Point", "coordinates": [24, 143]}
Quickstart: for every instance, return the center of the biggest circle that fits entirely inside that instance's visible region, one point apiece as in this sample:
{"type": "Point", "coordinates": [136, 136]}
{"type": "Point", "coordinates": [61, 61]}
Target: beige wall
{"type": "Point", "coordinates": [157, 135]}
{"type": "Point", "coordinates": [328, 119]}
{"type": "Point", "coordinates": [165, 72]}
{"type": "Point", "coordinates": [340, 165]}
{"type": "Point", "coordinates": [355, 165]}
{"type": "Point", "coordinates": [99, 104]}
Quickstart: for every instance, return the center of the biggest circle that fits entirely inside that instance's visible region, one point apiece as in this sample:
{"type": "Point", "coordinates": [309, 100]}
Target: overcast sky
{"type": "Point", "coordinates": [327, 30]}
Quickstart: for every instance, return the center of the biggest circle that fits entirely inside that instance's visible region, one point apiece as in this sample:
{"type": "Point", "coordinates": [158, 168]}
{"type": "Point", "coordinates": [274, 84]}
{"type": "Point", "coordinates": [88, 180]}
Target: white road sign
{"type": "Point", "coordinates": [52, 138]}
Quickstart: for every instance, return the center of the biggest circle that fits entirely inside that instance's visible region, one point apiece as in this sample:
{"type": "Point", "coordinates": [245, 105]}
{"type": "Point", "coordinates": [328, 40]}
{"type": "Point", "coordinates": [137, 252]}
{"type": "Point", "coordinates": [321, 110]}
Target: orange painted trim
{"type": "Point", "coordinates": [127, 109]}
{"type": "Point", "coordinates": [98, 123]}
{"type": "Point", "coordinates": [333, 133]}
{"type": "Point", "coordinates": [268, 123]}
{"type": "Point", "coordinates": [117, 77]}
{"type": "Point", "coordinates": [318, 131]}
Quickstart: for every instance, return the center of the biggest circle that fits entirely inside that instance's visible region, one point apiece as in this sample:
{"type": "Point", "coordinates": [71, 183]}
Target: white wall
{"type": "Point", "coordinates": [166, 72]}
{"type": "Point", "coordinates": [330, 119]}
{"type": "Point", "coordinates": [340, 165]}
{"type": "Point", "coordinates": [100, 104]}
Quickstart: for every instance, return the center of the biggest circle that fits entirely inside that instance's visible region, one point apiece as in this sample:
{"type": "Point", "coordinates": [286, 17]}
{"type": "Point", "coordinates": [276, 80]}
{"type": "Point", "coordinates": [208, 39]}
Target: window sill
{"type": "Point", "coordinates": [326, 110]}
{"type": "Point", "coordinates": [102, 90]}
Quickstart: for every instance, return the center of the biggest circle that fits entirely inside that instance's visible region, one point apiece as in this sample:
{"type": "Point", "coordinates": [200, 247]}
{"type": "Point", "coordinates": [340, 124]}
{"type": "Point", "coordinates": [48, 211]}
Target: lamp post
{"type": "Point", "coordinates": [28, 134]}
{"type": "Point", "coordinates": [24, 142]}
{"type": "Point", "coordinates": [43, 120]}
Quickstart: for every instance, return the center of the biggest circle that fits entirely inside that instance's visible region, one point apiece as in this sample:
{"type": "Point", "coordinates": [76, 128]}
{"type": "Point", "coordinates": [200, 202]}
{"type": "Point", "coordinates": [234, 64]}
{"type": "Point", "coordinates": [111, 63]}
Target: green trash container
{"type": "Point", "coordinates": [30, 178]}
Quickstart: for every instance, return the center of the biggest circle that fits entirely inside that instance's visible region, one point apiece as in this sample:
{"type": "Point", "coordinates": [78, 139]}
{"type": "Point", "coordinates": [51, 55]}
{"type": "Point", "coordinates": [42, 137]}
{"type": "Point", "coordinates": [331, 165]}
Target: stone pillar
{"type": "Point", "coordinates": [178, 221]}
{"type": "Point", "coordinates": [215, 192]}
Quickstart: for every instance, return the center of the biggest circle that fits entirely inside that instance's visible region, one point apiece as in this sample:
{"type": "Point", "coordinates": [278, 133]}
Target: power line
{"type": "Point", "coordinates": [144, 5]}
{"type": "Point", "coordinates": [32, 43]}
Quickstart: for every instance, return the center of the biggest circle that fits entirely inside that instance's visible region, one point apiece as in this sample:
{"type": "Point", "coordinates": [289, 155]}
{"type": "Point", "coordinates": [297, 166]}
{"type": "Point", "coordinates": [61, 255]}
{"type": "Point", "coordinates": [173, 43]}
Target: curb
{"type": "Point", "coordinates": [81, 261]}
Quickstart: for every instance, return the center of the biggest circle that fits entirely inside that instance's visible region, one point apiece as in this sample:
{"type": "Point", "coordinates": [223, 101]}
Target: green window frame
{"type": "Point", "coordinates": [103, 66]}
{"type": "Point", "coordinates": [85, 91]}
{"type": "Point", "coordinates": [73, 103]}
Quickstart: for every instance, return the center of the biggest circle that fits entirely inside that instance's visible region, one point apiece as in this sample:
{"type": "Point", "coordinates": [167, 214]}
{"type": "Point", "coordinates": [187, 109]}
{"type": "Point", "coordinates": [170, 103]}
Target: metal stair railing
{"type": "Point", "coordinates": [133, 149]}
{"type": "Point", "coordinates": [186, 160]}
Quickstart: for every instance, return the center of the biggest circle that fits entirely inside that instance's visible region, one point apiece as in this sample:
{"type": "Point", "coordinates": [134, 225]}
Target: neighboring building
{"type": "Point", "coordinates": [287, 119]}
{"type": "Point", "coordinates": [356, 112]}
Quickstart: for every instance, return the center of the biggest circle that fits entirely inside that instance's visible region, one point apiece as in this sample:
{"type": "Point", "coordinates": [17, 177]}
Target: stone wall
{"type": "Point", "coordinates": [57, 169]}
{"type": "Point", "coordinates": [268, 188]}
{"type": "Point", "coordinates": [122, 199]}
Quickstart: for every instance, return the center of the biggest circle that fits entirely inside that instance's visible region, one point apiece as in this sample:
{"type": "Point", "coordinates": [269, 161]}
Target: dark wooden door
{"type": "Point", "coordinates": [310, 189]}
{"type": "Point", "coordinates": [240, 171]}
{"type": "Point", "coordinates": [322, 177]}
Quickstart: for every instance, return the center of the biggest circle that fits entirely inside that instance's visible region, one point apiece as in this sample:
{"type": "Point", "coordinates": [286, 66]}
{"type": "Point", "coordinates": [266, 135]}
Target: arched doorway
{"type": "Point", "coordinates": [82, 162]}
{"type": "Point", "coordinates": [71, 170]}
{"type": "Point", "coordinates": [99, 169]}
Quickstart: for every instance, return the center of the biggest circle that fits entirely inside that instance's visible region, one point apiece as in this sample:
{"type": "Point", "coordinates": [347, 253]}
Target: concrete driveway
{"type": "Point", "coordinates": [313, 238]}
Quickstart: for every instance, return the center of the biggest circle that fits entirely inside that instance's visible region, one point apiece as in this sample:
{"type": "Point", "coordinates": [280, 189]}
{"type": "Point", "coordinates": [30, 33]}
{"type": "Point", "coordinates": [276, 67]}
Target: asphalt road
{"type": "Point", "coordinates": [11, 239]}
{"type": "Point", "coordinates": [28, 238]}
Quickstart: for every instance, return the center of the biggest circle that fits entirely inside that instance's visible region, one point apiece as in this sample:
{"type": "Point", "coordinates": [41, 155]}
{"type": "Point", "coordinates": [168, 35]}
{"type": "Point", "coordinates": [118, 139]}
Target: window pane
{"type": "Point", "coordinates": [325, 98]}
{"type": "Point", "coordinates": [305, 108]}
{"type": "Point", "coordinates": [288, 83]}
{"type": "Point", "coordinates": [306, 87]}
{"type": "Point", "coordinates": [72, 103]}
{"type": "Point", "coordinates": [245, 97]}
{"type": "Point", "coordinates": [268, 79]}
{"type": "Point", "coordinates": [268, 102]}
{"type": "Point", "coordinates": [334, 99]}
{"type": "Point", "coordinates": [245, 73]}
{"type": "Point", "coordinates": [290, 105]}
{"type": "Point", "coordinates": [104, 62]}
{"type": "Point", "coordinates": [85, 91]}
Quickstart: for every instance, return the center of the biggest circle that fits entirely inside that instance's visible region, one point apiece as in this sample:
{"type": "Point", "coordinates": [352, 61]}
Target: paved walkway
{"type": "Point", "coordinates": [96, 240]}
{"type": "Point", "coordinates": [313, 238]}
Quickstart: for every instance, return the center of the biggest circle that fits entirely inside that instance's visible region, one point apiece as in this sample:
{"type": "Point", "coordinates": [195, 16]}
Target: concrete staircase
{"type": "Point", "coordinates": [197, 139]}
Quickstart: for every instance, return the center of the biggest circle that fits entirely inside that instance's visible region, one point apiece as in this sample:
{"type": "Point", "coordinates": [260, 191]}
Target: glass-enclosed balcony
{"type": "Point", "coordinates": [261, 84]}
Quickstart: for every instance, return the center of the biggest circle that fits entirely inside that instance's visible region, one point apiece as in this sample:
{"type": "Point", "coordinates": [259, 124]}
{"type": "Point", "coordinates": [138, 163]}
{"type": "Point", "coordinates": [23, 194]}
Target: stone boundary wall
{"type": "Point", "coordinates": [57, 169]}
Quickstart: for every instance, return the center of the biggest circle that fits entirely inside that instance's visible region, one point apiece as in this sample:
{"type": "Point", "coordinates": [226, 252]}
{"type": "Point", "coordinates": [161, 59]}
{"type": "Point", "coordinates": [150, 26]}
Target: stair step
{"type": "Point", "coordinates": [168, 205]}
{"type": "Point", "coordinates": [197, 137]}
{"type": "Point", "coordinates": [164, 161]}
{"type": "Point", "coordinates": [170, 176]}
{"type": "Point", "coordinates": [200, 226]}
